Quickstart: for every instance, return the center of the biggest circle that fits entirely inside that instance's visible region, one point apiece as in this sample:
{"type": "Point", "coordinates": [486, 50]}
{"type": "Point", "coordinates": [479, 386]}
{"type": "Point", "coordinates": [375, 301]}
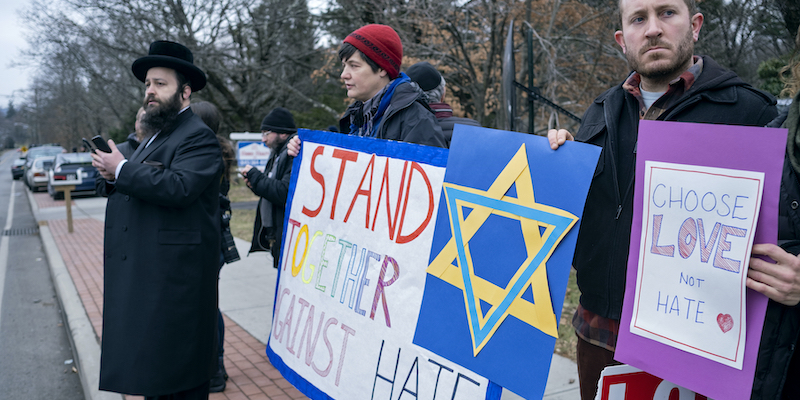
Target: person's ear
{"type": "Point", "coordinates": [697, 23]}
{"type": "Point", "coordinates": [620, 41]}
{"type": "Point", "coordinates": [186, 92]}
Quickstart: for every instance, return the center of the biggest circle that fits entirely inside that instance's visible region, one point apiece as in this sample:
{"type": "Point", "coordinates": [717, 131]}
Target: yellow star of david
{"type": "Point", "coordinates": [539, 245]}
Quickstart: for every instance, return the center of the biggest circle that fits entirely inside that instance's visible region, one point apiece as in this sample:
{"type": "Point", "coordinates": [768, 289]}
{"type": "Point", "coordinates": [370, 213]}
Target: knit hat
{"type": "Point", "coordinates": [426, 76]}
{"type": "Point", "coordinates": [279, 120]}
{"type": "Point", "coordinates": [381, 44]}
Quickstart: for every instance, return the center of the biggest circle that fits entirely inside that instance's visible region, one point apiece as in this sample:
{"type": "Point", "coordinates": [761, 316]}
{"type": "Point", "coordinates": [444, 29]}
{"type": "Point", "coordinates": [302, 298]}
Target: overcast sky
{"type": "Point", "coordinates": [11, 43]}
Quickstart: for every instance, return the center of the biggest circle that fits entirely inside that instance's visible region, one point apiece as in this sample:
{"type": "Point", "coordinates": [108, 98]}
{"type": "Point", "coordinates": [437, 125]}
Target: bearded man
{"type": "Point", "coordinates": [272, 186]}
{"type": "Point", "coordinates": [162, 235]}
{"type": "Point", "coordinates": [668, 83]}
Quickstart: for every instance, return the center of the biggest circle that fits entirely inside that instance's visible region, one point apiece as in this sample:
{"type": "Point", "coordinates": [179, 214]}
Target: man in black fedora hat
{"type": "Point", "coordinates": [272, 186]}
{"type": "Point", "coordinates": [162, 235]}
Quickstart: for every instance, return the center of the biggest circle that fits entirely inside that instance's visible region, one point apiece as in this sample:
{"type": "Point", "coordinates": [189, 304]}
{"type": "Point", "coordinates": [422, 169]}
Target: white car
{"type": "Point", "coordinates": [36, 172]}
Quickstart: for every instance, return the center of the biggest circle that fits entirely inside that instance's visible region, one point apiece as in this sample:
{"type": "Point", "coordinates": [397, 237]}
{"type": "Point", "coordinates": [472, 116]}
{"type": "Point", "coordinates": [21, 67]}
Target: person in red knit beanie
{"type": "Point", "coordinates": [387, 104]}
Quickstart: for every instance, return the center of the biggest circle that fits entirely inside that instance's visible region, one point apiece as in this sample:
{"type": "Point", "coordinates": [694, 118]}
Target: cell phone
{"type": "Point", "coordinates": [88, 145]}
{"type": "Point", "coordinates": [101, 144]}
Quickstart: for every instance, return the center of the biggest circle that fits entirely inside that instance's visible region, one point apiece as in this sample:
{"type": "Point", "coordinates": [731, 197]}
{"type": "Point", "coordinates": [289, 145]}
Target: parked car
{"type": "Point", "coordinates": [17, 168]}
{"type": "Point", "coordinates": [67, 167]}
{"type": "Point", "coordinates": [39, 151]}
{"type": "Point", "coordinates": [36, 172]}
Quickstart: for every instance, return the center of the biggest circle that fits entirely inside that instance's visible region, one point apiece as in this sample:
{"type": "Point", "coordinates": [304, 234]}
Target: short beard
{"type": "Point", "coordinates": [670, 71]}
{"type": "Point", "coordinates": [158, 117]}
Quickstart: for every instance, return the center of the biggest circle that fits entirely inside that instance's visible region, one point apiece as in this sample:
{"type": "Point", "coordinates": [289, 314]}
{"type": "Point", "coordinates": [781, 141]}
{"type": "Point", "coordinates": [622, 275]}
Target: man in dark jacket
{"type": "Point", "coordinates": [778, 363]}
{"type": "Point", "coordinates": [434, 86]}
{"type": "Point", "coordinates": [273, 184]}
{"type": "Point", "coordinates": [161, 247]}
{"type": "Point", "coordinates": [668, 83]}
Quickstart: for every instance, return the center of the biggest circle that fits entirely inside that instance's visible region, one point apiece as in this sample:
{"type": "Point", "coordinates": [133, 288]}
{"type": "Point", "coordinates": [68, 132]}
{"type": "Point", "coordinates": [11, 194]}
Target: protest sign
{"type": "Point", "coordinates": [358, 231]}
{"type": "Point", "coordinates": [733, 148]}
{"type": "Point", "coordinates": [502, 251]}
{"type": "Point", "coordinates": [624, 382]}
{"type": "Point", "coordinates": [698, 232]}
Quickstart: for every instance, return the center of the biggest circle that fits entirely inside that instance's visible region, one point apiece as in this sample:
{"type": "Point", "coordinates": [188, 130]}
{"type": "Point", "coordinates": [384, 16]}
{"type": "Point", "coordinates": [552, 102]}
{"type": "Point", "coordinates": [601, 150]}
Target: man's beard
{"type": "Point", "coordinates": [158, 117]}
{"type": "Point", "coordinates": [684, 53]}
{"type": "Point", "coordinates": [278, 144]}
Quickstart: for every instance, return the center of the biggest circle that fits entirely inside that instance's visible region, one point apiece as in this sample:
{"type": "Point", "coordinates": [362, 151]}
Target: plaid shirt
{"type": "Point", "coordinates": [595, 329]}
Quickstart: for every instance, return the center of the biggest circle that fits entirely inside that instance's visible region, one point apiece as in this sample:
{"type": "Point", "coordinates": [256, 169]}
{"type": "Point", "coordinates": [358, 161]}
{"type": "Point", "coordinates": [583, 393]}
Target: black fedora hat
{"type": "Point", "coordinates": [170, 55]}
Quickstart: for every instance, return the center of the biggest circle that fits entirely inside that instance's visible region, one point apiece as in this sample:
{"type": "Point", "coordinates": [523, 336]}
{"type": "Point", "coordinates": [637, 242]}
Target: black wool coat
{"type": "Point", "coordinates": [161, 258]}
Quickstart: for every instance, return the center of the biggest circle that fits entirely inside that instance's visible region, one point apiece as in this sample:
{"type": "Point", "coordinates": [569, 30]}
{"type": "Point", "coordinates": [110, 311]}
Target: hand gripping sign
{"type": "Point", "coordinates": [704, 194]}
{"type": "Point", "coordinates": [357, 235]}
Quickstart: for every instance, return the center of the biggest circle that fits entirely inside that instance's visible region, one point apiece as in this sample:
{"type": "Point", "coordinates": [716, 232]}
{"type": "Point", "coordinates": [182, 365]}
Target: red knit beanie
{"type": "Point", "coordinates": [381, 44]}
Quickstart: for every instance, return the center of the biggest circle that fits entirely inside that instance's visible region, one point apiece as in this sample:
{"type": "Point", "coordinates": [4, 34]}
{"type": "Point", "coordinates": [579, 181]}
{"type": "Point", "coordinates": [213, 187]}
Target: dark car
{"type": "Point", "coordinates": [17, 168]}
{"type": "Point", "coordinates": [68, 167]}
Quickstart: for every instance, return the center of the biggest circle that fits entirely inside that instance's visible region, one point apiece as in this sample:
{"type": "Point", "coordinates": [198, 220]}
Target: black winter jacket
{"type": "Point", "coordinates": [717, 96]}
{"type": "Point", "coordinates": [407, 119]}
{"type": "Point", "coordinates": [777, 369]}
{"type": "Point", "coordinates": [276, 190]}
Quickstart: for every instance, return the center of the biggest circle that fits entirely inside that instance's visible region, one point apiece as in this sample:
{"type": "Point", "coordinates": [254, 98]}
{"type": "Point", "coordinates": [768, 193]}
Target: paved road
{"type": "Point", "coordinates": [36, 358]}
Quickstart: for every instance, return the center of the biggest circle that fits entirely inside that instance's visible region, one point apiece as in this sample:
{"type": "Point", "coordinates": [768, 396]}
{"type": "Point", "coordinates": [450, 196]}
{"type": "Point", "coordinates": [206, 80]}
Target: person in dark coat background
{"type": "Point", "coordinates": [778, 365]}
{"type": "Point", "coordinates": [211, 116]}
{"type": "Point", "coordinates": [162, 241]}
{"type": "Point", "coordinates": [435, 88]}
{"type": "Point", "coordinates": [140, 132]}
{"type": "Point", "coordinates": [272, 186]}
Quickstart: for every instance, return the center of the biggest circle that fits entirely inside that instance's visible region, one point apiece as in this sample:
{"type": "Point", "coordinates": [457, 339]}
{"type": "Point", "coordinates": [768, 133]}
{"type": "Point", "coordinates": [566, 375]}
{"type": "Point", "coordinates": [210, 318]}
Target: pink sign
{"type": "Point", "coordinates": [716, 146]}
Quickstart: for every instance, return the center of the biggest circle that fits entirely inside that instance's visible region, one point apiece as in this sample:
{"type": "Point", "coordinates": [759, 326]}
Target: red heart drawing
{"type": "Point", "coordinates": [725, 322]}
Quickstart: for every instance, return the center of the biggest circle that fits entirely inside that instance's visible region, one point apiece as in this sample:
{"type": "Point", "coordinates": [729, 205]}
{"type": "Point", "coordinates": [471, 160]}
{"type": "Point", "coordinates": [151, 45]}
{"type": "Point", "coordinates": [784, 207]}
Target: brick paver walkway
{"type": "Point", "coordinates": [251, 374]}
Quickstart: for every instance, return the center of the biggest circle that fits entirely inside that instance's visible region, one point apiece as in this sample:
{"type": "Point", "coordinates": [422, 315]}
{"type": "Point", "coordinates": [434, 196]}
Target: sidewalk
{"type": "Point", "coordinates": [246, 292]}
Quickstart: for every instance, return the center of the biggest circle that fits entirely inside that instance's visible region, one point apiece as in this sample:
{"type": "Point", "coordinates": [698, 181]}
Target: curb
{"type": "Point", "coordinates": [85, 344]}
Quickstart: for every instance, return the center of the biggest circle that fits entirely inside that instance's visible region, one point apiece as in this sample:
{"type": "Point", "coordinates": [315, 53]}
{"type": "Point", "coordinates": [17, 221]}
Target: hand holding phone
{"type": "Point", "coordinates": [101, 144]}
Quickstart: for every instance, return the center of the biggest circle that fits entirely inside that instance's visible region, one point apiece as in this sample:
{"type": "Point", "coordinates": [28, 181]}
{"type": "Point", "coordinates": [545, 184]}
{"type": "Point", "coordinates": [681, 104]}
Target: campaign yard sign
{"type": "Point", "coordinates": [502, 251]}
{"type": "Point", "coordinates": [358, 231]}
{"type": "Point", "coordinates": [704, 193]}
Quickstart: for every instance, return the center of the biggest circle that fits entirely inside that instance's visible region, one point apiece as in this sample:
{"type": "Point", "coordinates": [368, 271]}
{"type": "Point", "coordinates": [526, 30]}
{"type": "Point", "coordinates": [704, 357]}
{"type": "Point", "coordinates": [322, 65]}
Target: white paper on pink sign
{"type": "Point", "coordinates": [698, 226]}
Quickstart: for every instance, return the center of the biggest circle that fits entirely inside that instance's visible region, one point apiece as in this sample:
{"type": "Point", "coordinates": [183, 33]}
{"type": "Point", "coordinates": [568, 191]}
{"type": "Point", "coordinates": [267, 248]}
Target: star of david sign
{"type": "Point", "coordinates": [543, 228]}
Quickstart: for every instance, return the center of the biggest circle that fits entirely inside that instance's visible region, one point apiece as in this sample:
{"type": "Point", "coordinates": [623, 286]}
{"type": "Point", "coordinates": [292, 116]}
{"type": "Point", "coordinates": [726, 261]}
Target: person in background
{"type": "Point", "coordinates": [272, 185]}
{"type": "Point", "coordinates": [778, 365]}
{"type": "Point", "coordinates": [140, 132]}
{"type": "Point", "coordinates": [387, 105]}
{"type": "Point", "coordinates": [668, 83]}
{"type": "Point", "coordinates": [434, 86]}
{"type": "Point", "coordinates": [210, 115]}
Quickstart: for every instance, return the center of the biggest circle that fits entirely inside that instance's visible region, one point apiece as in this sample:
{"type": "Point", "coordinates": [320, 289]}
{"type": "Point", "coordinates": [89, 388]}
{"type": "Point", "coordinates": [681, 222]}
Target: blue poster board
{"type": "Point", "coordinates": [502, 250]}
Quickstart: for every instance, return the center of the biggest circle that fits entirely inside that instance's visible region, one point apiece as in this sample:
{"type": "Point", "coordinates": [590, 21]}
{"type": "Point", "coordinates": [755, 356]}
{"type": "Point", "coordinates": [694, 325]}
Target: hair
{"type": "Point", "coordinates": [183, 81]}
{"type": "Point", "coordinates": [211, 116]}
{"type": "Point", "coordinates": [347, 50]}
{"type": "Point", "coordinates": [209, 113]}
{"type": "Point", "coordinates": [690, 4]}
{"type": "Point", "coordinates": [790, 74]}
{"type": "Point", "coordinates": [139, 112]}
{"type": "Point", "coordinates": [435, 95]}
